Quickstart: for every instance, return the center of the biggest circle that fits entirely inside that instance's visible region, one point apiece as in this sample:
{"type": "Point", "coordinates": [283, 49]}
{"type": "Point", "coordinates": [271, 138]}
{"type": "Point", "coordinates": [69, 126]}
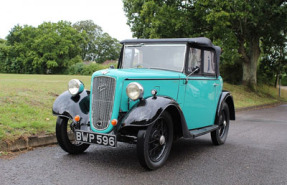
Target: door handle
{"type": "Point", "coordinates": [215, 84]}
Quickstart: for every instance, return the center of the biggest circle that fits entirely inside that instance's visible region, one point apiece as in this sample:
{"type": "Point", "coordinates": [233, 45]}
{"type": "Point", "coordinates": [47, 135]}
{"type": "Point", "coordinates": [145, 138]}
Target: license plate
{"type": "Point", "coordinates": [95, 138]}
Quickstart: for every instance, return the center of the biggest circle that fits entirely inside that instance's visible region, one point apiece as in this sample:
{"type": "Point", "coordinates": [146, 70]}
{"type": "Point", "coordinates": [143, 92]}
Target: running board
{"type": "Point", "coordinates": [198, 132]}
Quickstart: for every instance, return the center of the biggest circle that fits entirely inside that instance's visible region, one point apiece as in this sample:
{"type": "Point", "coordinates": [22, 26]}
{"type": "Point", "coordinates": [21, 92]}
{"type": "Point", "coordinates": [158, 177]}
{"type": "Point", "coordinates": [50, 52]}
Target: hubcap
{"type": "Point", "coordinates": [224, 123]}
{"type": "Point", "coordinates": [162, 140]}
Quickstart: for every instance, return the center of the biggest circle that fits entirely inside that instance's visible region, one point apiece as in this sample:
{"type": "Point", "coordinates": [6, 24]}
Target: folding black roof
{"type": "Point", "coordinates": [199, 41]}
{"type": "Point", "coordinates": [202, 41]}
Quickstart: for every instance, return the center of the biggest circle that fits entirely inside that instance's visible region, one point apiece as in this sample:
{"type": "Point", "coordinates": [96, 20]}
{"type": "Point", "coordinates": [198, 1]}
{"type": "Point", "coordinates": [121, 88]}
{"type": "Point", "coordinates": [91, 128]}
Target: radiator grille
{"type": "Point", "coordinates": [102, 101]}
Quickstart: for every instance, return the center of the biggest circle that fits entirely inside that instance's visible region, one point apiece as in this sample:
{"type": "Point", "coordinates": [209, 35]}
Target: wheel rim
{"type": "Point", "coordinates": [157, 142]}
{"type": "Point", "coordinates": [223, 124]}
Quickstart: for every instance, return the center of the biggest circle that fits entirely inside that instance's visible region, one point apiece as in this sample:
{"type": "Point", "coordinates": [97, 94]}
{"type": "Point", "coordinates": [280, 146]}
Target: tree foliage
{"type": "Point", "coordinates": [49, 48]}
{"type": "Point", "coordinates": [239, 26]}
{"type": "Point", "coordinates": [54, 47]}
{"type": "Point", "coordinates": [92, 32]}
{"type": "Point", "coordinates": [274, 63]}
{"type": "Point", "coordinates": [100, 46]}
{"type": "Point", "coordinates": [107, 48]}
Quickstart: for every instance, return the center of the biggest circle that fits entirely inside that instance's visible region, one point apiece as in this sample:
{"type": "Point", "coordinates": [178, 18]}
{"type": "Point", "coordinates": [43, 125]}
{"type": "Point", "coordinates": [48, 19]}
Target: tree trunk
{"type": "Point", "coordinates": [276, 80]}
{"type": "Point", "coordinates": [250, 66]}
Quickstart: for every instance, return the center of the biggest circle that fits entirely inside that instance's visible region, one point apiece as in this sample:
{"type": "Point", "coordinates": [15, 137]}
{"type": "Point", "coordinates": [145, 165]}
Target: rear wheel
{"type": "Point", "coordinates": [154, 143]}
{"type": "Point", "coordinates": [219, 136]}
{"type": "Point", "coordinates": [66, 139]}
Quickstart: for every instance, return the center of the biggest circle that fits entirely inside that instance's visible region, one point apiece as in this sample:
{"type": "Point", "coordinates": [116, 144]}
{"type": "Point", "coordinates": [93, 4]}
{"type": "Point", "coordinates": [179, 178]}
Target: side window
{"type": "Point", "coordinates": [208, 62]}
{"type": "Point", "coordinates": [194, 59]}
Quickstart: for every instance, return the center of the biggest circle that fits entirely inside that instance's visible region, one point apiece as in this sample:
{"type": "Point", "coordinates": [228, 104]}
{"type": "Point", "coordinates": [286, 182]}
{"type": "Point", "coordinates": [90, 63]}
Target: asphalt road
{"type": "Point", "coordinates": [255, 153]}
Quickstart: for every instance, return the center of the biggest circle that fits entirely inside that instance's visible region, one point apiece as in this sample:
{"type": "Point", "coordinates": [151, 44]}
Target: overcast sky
{"type": "Point", "coordinates": [108, 14]}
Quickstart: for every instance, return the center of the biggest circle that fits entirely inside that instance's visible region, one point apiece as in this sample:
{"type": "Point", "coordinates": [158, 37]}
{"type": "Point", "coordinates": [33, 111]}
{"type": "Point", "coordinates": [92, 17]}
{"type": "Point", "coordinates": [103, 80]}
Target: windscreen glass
{"type": "Point", "coordinates": [154, 56]}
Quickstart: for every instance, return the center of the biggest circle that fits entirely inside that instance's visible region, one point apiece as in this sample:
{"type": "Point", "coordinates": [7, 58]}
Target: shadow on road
{"type": "Point", "coordinates": [125, 156]}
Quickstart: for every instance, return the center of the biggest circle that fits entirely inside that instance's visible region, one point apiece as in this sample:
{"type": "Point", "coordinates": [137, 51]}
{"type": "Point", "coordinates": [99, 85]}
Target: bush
{"type": "Point", "coordinates": [266, 72]}
{"type": "Point", "coordinates": [91, 68]}
{"type": "Point", "coordinates": [87, 69]}
{"type": "Point", "coordinates": [231, 72]}
{"type": "Point", "coordinates": [284, 81]}
{"type": "Point", "coordinates": [75, 60]}
{"type": "Point", "coordinates": [76, 69]}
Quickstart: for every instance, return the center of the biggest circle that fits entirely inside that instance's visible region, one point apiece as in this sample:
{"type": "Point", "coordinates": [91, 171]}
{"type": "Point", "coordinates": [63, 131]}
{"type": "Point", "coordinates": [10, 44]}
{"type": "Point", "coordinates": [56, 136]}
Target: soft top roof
{"type": "Point", "coordinates": [198, 41]}
{"type": "Point", "coordinates": [201, 41]}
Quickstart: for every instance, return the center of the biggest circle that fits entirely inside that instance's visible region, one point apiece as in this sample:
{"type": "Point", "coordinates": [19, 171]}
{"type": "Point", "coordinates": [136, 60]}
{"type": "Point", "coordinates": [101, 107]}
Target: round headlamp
{"type": "Point", "coordinates": [75, 87]}
{"type": "Point", "coordinates": [135, 91]}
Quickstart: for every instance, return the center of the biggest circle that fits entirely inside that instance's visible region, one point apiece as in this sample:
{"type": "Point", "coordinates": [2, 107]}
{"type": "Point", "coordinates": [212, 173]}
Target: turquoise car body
{"type": "Point", "coordinates": [197, 99]}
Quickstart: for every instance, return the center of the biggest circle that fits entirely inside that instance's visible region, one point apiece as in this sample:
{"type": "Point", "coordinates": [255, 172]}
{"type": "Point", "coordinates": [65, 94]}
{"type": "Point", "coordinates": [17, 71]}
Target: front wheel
{"type": "Point", "coordinates": [65, 137]}
{"type": "Point", "coordinates": [154, 143]}
{"type": "Point", "coordinates": [219, 136]}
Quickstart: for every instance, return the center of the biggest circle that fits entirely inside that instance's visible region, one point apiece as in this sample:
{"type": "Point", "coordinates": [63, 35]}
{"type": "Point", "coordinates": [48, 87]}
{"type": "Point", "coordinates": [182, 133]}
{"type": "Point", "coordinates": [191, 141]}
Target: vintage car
{"type": "Point", "coordinates": [162, 90]}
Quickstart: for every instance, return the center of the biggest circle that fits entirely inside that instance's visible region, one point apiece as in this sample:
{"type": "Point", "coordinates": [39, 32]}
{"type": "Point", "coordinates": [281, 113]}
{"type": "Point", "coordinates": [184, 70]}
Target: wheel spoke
{"type": "Point", "coordinates": [150, 142]}
{"type": "Point", "coordinates": [161, 126]}
{"type": "Point", "coordinates": [154, 148]}
{"type": "Point", "coordinates": [164, 131]}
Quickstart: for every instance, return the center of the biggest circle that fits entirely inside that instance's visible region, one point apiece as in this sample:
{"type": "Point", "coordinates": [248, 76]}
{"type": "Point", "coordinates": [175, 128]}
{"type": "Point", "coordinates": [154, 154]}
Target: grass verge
{"type": "Point", "coordinates": [26, 102]}
{"type": "Point", "coordinates": [244, 97]}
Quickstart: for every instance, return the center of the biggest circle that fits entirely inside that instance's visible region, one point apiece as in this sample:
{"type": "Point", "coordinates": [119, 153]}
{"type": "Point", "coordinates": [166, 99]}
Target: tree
{"type": "Point", "coordinates": [107, 48]}
{"type": "Point", "coordinates": [49, 48]}
{"type": "Point", "coordinates": [4, 50]}
{"type": "Point", "coordinates": [19, 55]}
{"type": "Point", "coordinates": [92, 32]}
{"type": "Point", "coordinates": [274, 63]}
{"type": "Point", "coordinates": [100, 46]}
{"type": "Point", "coordinates": [241, 24]}
{"type": "Point", "coordinates": [56, 45]}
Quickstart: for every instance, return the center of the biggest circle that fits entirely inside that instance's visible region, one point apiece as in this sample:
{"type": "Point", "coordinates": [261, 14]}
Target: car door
{"type": "Point", "coordinates": [201, 89]}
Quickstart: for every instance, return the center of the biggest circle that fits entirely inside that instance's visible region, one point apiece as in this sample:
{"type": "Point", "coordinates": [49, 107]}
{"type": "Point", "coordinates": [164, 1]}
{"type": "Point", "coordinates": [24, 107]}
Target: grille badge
{"type": "Point", "coordinates": [102, 87]}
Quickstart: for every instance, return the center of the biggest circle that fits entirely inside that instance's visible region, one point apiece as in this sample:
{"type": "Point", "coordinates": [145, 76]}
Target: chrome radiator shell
{"type": "Point", "coordinates": [103, 94]}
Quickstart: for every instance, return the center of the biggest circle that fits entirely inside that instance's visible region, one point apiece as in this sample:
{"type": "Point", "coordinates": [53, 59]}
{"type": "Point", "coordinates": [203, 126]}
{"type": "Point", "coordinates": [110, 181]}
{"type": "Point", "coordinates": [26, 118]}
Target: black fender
{"type": "Point", "coordinates": [69, 106]}
{"type": "Point", "coordinates": [147, 111]}
{"type": "Point", "coordinates": [226, 97]}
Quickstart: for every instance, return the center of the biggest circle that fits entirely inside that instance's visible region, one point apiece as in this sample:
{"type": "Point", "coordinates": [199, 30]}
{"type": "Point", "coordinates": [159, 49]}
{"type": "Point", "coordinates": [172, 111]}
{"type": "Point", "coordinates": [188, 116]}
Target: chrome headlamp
{"type": "Point", "coordinates": [135, 91]}
{"type": "Point", "coordinates": [75, 87]}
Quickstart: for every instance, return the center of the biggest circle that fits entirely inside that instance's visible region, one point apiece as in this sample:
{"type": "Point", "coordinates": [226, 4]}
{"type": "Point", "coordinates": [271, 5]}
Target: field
{"type": "Point", "coordinates": [26, 102]}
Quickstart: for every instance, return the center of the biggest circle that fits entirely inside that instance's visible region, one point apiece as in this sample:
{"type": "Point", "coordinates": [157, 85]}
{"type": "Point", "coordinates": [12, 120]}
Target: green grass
{"type": "Point", "coordinates": [26, 102]}
{"type": "Point", "coordinates": [244, 97]}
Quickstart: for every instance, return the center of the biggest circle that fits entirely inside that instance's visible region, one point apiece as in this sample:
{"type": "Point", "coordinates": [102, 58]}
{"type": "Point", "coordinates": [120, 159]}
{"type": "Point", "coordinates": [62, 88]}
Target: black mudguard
{"type": "Point", "coordinates": [147, 111]}
{"type": "Point", "coordinates": [68, 106]}
{"type": "Point", "coordinates": [226, 97]}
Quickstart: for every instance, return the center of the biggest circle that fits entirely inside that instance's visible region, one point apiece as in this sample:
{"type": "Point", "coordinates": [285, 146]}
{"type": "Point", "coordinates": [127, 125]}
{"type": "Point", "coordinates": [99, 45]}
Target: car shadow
{"type": "Point", "coordinates": [124, 157]}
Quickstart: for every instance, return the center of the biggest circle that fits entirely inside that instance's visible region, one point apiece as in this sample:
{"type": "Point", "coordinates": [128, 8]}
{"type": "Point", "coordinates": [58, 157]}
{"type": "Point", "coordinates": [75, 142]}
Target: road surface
{"type": "Point", "coordinates": [255, 153]}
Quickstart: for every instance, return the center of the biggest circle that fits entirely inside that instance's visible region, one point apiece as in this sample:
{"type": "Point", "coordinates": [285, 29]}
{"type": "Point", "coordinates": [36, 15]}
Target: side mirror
{"type": "Point", "coordinates": [196, 69]}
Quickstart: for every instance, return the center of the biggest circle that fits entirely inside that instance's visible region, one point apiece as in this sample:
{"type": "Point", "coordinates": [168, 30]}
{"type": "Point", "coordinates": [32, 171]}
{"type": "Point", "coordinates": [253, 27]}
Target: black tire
{"type": "Point", "coordinates": [154, 143]}
{"type": "Point", "coordinates": [65, 142]}
{"type": "Point", "coordinates": [219, 136]}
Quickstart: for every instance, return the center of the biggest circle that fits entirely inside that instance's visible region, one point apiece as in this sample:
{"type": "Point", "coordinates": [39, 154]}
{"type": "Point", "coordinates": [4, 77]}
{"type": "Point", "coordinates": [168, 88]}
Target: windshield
{"type": "Point", "coordinates": [154, 56]}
